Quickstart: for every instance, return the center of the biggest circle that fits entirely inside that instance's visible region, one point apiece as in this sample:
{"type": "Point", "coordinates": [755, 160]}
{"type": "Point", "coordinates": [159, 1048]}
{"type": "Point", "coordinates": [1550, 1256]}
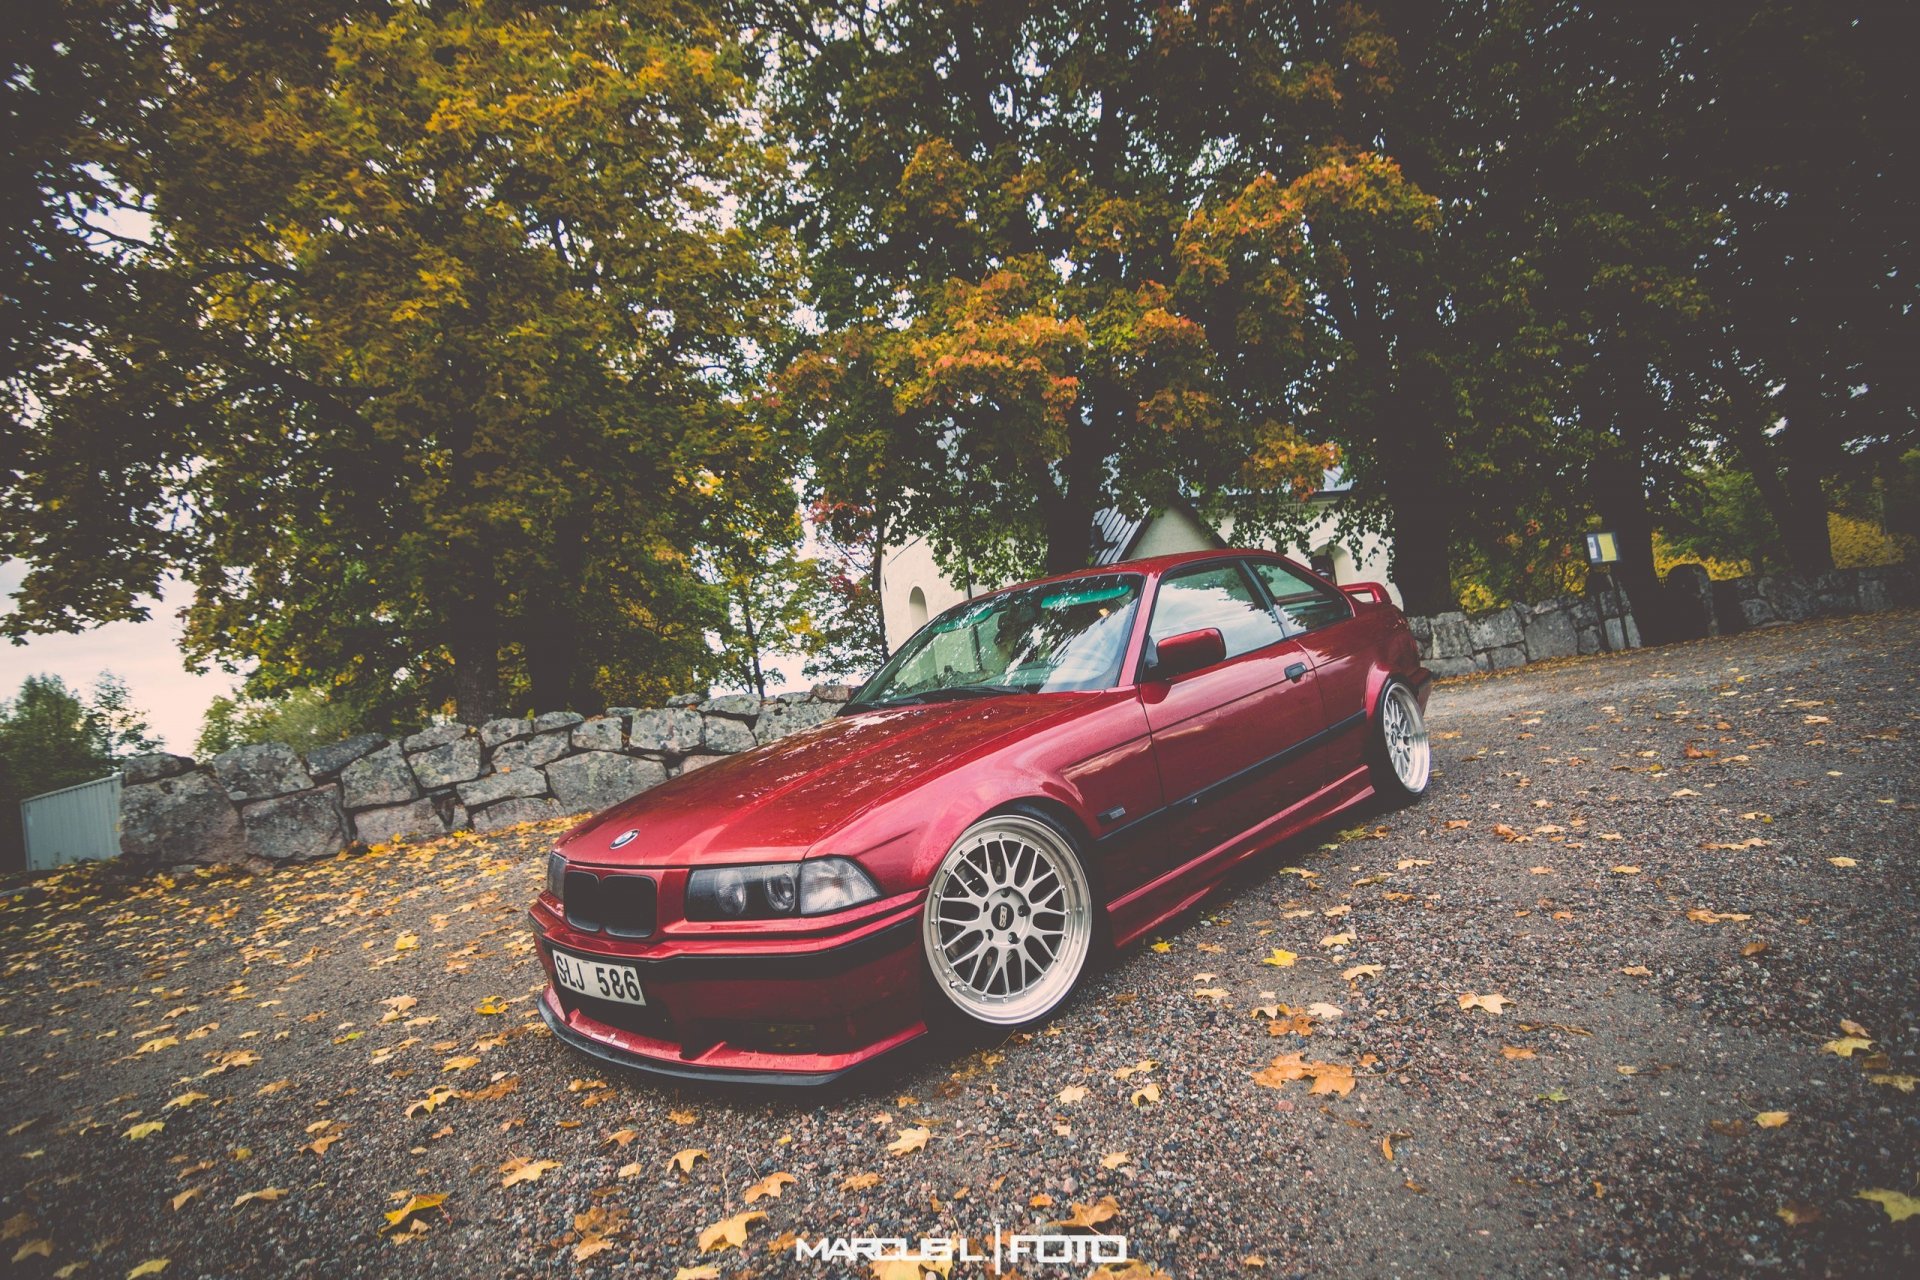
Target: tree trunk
{"type": "Point", "coordinates": [475, 645]}
{"type": "Point", "coordinates": [1069, 511]}
{"type": "Point", "coordinates": [1621, 497]}
{"type": "Point", "coordinates": [753, 646]}
{"type": "Point", "coordinates": [1809, 543]}
{"type": "Point", "coordinates": [550, 623]}
{"type": "Point", "coordinates": [1422, 534]}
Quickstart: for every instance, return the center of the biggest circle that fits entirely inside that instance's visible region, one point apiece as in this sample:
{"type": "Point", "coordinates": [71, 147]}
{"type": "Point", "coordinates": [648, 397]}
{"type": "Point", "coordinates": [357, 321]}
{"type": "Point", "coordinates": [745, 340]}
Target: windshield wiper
{"type": "Point", "coordinates": [950, 693]}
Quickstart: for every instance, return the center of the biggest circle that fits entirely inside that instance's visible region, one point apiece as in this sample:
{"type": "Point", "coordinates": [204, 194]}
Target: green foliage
{"type": "Point", "coordinates": [304, 719]}
{"type": "Point", "coordinates": [992, 205]}
{"type": "Point", "coordinates": [51, 737]}
{"type": "Point", "coordinates": [849, 627]}
{"type": "Point", "coordinates": [455, 312]}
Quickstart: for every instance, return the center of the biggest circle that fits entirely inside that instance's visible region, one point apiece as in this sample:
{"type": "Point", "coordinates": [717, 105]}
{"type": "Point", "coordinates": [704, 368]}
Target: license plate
{"type": "Point", "coordinates": [598, 979]}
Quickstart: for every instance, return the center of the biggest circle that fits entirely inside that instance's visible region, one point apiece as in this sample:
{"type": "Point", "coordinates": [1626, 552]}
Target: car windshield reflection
{"type": "Point", "coordinates": [1050, 638]}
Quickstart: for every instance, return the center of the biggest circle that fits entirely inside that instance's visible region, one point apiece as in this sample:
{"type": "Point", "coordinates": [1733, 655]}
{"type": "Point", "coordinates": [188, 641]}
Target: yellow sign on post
{"type": "Point", "coordinates": [1603, 548]}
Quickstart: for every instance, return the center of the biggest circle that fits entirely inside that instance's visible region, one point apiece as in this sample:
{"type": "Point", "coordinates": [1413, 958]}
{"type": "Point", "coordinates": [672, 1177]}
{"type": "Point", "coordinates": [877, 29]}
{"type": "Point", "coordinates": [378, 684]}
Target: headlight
{"type": "Point", "coordinates": [556, 875]}
{"type": "Point", "coordinates": [777, 889]}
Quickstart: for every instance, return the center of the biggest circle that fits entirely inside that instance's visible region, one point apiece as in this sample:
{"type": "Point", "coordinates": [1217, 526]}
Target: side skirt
{"type": "Point", "coordinates": [1149, 906]}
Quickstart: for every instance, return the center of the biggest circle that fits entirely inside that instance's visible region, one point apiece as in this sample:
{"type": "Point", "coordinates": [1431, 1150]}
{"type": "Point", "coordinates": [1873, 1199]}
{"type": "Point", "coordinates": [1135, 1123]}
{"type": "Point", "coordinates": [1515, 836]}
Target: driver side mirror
{"type": "Point", "coordinates": [1189, 651]}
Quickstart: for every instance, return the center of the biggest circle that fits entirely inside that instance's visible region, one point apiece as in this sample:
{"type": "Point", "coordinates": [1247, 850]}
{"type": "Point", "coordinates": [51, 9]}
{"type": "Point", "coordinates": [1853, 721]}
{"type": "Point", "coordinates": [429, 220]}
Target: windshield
{"type": "Point", "coordinates": [1042, 639]}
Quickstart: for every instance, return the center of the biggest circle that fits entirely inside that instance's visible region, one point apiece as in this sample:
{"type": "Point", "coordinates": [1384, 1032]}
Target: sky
{"type": "Point", "coordinates": [144, 654]}
{"type": "Point", "coordinates": [147, 656]}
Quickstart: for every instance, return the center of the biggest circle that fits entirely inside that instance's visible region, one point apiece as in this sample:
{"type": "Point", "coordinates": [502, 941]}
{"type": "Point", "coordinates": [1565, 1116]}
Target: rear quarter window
{"type": "Point", "coordinates": [1304, 605]}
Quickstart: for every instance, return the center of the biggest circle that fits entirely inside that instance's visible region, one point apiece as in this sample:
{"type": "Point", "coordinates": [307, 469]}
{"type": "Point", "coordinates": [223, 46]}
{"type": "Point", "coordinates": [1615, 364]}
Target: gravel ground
{"type": "Point", "coordinates": [1690, 872]}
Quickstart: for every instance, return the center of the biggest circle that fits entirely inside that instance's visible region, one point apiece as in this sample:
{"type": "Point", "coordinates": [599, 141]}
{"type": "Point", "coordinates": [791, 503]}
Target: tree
{"type": "Point", "coordinates": [303, 719]}
{"type": "Point", "coordinates": [1808, 141]}
{"type": "Point", "coordinates": [51, 737]}
{"type": "Point", "coordinates": [454, 312]}
{"type": "Point", "coordinates": [992, 201]}
{"type": "Point", "coordinates": [849, 624]}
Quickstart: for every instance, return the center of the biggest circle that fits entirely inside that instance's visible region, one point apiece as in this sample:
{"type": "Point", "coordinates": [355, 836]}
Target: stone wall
{"type": "Point", "coordinates": [1457, 644]}
{"type": "Point", "coordinates": [1453, 644]}
{"type": "Point", "coordinates": [267, 801]}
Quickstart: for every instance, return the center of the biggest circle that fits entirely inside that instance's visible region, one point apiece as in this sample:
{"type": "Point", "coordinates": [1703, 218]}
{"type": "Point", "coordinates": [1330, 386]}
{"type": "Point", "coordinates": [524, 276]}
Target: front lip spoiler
{"type": "Point", "coordinates": [711, 1075]}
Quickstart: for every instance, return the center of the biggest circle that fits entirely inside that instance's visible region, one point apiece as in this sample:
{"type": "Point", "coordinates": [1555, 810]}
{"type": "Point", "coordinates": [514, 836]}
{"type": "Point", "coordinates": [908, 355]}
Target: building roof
{"type": "Point", "coordinates": [1113, 535]}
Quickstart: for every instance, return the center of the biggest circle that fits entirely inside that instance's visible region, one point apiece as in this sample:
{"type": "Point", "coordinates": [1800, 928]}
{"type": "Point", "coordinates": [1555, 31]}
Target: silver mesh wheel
{"type": "Point", "coordinates": [1008, 921]}
{"type": "Point", "coordinates": [1405, 731]}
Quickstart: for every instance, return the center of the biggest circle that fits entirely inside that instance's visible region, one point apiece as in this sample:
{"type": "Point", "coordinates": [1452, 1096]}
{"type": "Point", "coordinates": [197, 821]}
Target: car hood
{"type": "Point", "coordinates": [778, 800]}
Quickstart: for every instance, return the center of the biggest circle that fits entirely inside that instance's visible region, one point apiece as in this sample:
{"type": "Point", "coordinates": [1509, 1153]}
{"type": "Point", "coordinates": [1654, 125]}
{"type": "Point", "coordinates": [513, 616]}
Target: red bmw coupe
{"type": "Point", "coordinates": [1037, 775]}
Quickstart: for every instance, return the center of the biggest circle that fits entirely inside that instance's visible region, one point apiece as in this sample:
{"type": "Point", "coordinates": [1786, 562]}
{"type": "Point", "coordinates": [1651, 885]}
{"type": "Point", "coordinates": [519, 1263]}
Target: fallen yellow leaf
{"type": "Point", "coordinates": [520, 1169]}
{"type": "Point", "coordinates": [1491, 1003]}
{"type": "Point", "coordinates": [1280, 959]}
{"type": "Point", "coordinates": [909, 1140]}
{"type": "Point", "coordinates": [1899, 1205]}
{"type": "Point", "coordinates": [729, 1232]}
{"type": "Point", "coordinates": [683, 1160]}
{"type": "Point", "coordinates": [769, 1187]}
{"type": "Point", "coordinates": [1770, 1119]}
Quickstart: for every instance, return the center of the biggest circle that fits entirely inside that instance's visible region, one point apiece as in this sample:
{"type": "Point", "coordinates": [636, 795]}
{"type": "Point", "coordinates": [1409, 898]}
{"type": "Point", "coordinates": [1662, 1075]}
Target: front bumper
{"type": "Point", "coordinates": [778, 1013]}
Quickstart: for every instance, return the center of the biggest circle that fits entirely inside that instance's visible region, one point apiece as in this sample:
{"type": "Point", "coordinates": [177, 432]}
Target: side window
{"type": "Point", "coordinates": [1216, 596]}
{"type": "Point", "coordinates": [1304, 605]}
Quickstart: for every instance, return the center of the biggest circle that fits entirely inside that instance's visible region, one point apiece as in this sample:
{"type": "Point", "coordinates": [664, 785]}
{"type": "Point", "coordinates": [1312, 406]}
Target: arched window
{"type": "Point", "coordinates": [917, 608]}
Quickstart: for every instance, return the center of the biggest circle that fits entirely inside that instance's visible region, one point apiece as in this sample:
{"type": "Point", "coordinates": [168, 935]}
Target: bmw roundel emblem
{"type": "Point", "coordinates": [624, 839]}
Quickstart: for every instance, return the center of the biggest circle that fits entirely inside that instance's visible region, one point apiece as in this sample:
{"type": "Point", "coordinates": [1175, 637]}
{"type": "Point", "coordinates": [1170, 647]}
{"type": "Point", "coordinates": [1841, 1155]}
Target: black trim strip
{"type": "Point", "coordinates": [1273, 761]}
{"type": "Point", "coordinates": [829, 963]}
{"type": "Point", "coordinates": [653, 1066]}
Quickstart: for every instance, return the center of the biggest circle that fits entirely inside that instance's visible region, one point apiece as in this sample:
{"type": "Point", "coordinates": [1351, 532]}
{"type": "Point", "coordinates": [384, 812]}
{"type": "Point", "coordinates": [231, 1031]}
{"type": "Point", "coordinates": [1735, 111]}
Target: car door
{"type": "Point", "coordinates": [1318, 617]}
{"type": "Point", "coordinates": [1221, 734]}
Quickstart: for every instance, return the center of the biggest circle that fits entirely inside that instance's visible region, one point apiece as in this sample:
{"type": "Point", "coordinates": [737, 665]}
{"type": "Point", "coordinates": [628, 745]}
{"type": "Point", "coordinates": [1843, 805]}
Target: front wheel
{"type": "Point", "coordinates": [1402, 754]}
{"type": "Point", "coordinates": [1009, 920]}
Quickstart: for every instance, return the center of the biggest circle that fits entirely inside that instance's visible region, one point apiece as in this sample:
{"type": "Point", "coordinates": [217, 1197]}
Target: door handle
{"type": "Point", "coordinates": [1295, 671]}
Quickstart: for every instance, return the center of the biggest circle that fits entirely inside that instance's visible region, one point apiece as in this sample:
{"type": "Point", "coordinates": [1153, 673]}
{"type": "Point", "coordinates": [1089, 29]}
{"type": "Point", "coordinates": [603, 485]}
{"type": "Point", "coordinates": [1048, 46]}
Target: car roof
{"type": "Point", "coordinates": [1151, 566]}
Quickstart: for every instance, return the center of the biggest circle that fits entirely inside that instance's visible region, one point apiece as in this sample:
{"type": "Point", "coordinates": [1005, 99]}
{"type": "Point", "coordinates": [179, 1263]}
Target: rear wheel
{"type": "Point", "coordinates": [1402, 754]}
{"type": "Point", "coordinates": [1009, 920]}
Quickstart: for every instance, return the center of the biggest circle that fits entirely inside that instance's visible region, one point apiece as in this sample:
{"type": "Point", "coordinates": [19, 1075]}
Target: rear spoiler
{"type": "Point", "coordinates": [1367, 592]}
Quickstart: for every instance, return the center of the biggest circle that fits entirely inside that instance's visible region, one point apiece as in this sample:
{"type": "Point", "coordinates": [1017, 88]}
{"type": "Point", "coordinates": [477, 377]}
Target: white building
{"type": "Point", "coordinates": [912, 588]}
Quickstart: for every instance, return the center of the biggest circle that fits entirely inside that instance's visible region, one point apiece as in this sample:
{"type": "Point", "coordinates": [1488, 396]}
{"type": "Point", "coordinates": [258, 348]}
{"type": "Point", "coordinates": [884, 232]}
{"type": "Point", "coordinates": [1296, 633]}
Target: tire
{"type": "Point", "coordinates": [1400, 753]}
{"type": "Point", "coordinates": [1017, 878]}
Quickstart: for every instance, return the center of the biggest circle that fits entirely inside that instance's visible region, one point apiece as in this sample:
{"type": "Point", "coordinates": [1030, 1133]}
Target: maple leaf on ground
{"type": "Point", "coordinates": [148, 1129]}
{"type": "Point", "coordinates": [909, 1140]}
{"type": "Point", "coordinates": [1516, 1054]}
{"type": "Point", "coordinates": [682, 1118]}
{"type": "Point", "coordinates": [729, 1232]}
{"type": "Point", "coordinates": [269, 1194]}
{"type": "Point", "coordinates": [1360, 971]}
{"type": "Point", "coordinates": [1137, 1069]}
{"type": "Point", "coordinates": [1086, 1217]}
{"type": "Point", "coordinates": [769, 1187]}
{"type": "Point", "coordinates": [1899, 1205]}
{"type": "Point", "coordinates": [697, 1273]}
{"type": "Point", "coordinates": [1145, 1095]}
{"type": "Point", "coordinates": [520, 1169]}
{"type": "Point", "coordinates": [1904, 1084]}
{"type": "Point", "coordinates": [1796, 1214]}
{"type": "Point", "coordinates": [1114, 1159]}
{"type": "Point", "coordinates": [1846, 1045]}
{"type": "Point", "coordinates": [1280, 959]}
{"type": "Point", "coordinates": [1491, 1003]}
{"type": "Point", "coordinates": [683, 1160]}
{"type": "Point", "coordinates": [414, 1206]}
{"type": "Point", "coordinates": [859, 1181]}
{"type": "Point", "coordinates": [1770, 1119]}
{"type": "Point", "coordinates": [1071, 1094]}
{"type": "Point", "coordinates": [151, 1267]}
